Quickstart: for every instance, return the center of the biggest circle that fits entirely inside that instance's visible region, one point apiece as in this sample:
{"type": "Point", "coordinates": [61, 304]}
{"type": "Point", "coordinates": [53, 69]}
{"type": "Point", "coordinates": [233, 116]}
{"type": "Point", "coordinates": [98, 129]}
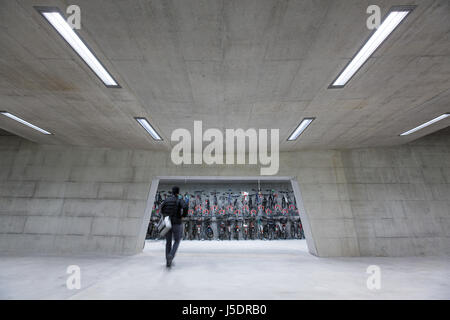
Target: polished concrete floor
{"type": "Point", "coordinates": [225, 270]}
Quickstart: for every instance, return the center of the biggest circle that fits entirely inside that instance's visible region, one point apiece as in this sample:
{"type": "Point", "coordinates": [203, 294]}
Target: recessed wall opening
{"type": "Point", "coordinates": [233, 209]}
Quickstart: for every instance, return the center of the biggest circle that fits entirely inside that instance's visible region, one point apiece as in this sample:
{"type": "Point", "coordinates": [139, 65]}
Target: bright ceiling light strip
{"type": "Point", "coordinates": [301, 127]}
{"type": "Point", "coordinates": [11, 116]}
{"type": "Point", "coordinates": [426, 124]}
{"type": "Point", "coordinates": [59, 23]}
{"type": "Point", "coordinates": [146, 125]}
{"type": "Point", "coordinates": [384, 30]}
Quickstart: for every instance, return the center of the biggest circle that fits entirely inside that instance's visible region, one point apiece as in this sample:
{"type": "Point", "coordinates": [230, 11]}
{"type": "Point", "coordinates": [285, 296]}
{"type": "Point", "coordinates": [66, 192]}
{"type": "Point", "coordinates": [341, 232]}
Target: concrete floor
{"type": "Point", "coordinates": [225, 270]}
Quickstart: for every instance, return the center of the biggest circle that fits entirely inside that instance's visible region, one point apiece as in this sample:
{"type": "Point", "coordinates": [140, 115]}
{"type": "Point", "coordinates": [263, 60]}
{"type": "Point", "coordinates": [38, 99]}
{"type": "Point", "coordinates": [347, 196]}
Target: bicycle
{"type": "Point", "coordinates": [208, 229]}
{"type": "Point", "coordinates": [236, 229]}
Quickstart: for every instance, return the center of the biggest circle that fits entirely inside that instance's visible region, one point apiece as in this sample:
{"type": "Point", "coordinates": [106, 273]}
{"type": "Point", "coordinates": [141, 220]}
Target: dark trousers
{"type": "Point", "coordinates": [176, 232]}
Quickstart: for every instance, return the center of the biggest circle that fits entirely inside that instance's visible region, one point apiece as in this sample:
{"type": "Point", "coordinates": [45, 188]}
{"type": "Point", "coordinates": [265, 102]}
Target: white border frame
{"type": "Point", "coordinates": [165, 179]}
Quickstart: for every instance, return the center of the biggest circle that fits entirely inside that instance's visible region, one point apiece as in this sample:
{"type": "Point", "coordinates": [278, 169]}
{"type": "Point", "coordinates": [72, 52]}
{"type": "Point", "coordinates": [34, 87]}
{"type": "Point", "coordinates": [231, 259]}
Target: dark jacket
{"type": "Point", "coordinates": [174, 208]}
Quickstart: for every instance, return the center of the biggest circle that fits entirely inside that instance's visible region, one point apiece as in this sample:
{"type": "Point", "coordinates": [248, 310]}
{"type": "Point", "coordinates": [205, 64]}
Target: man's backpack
{"type": "Point", "coordinates": [171, 207]}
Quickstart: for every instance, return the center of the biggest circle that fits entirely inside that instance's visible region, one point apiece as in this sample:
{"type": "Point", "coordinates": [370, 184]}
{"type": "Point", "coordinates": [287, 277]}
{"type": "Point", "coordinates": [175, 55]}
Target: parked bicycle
{"type": "Point", "coordinates": [235, 214]}
{"type": "Point", "coordinates": [236, 229]}
{"type": "Point", "coordinates": [209, 233]}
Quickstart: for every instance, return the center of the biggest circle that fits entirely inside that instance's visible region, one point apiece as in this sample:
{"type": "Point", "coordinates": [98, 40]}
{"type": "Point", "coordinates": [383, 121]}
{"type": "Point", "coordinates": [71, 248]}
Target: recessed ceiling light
{"type": "Point", "coordinates": [147, 126]}
{"type": "Point", "coordinates": [301, 127]}
{"type": "Point", "coordinates": [56, 19]}
{"type": "Point", "coordinates": [426, 124]}
{"type": "Point", "coordinates": [11, 116]}
{"type": "Point", "coordinates": [394, 18]}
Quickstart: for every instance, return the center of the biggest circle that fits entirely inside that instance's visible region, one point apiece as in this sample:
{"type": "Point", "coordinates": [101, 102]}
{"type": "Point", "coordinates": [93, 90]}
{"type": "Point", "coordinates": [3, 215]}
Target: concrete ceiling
{"type": "Point", "coordinates": [231, 63]}
{"type": "Point", "coordinates": [5, 133]}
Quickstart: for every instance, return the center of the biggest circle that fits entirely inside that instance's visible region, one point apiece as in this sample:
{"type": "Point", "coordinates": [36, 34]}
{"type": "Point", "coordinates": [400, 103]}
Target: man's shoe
{"type": "Point", "coordinates": [169, 261]}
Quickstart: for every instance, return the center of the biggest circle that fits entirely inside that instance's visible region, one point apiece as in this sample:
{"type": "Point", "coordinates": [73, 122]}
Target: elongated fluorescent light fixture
{"type": "Point", "coordinates": [56, 19]}
{"type": "Point", "coordinates": [301, 127]}
{"type": "Point", "coordinates": [11, 116]}
{"type": "Point", "coordinates": [394, 18]}
{"type": "Point", "coordinates": [147, 126]}
{"type": "Point", "coordinates": [426, 124]}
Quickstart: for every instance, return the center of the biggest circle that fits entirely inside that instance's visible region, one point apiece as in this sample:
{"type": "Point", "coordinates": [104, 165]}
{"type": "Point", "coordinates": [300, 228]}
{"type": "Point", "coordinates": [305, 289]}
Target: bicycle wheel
{"type": "Point", "coordinates": [209, 233]}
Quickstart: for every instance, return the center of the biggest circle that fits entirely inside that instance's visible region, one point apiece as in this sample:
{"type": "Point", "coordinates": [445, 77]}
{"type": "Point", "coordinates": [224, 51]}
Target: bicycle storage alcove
{"type": "Point", "coordinates": [232, 208]}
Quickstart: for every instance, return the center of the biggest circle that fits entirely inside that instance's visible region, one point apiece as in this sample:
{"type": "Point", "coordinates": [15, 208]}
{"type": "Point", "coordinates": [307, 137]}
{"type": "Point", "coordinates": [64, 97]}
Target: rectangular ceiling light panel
{"type": "Point", "coordinates": [11, 116]}
{"type": "Point", "coordinates": [301, 127]}
{"type": "Point", "coordinates": [394, 18]}
{"type": "Point", "coordinates": [55, 18]}
{"type": "Point", "coordinates": [426, 124]}
{"type": "Point", "coordinates": [147, 126]}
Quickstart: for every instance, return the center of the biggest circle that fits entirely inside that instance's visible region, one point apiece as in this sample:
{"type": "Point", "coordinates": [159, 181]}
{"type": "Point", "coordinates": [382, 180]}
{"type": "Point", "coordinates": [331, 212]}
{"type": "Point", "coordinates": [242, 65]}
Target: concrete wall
{"type": "Point", "coordinates": [400, 197]}
{"type": "Point", "coordinates": [60, 199]}
{"type": "Point", "coordinates": [389, 202]}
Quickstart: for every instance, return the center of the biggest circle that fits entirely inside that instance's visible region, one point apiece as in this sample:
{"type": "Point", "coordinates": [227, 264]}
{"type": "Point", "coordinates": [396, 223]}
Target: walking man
{"type": "Point", "coordinates": [176, 208]}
